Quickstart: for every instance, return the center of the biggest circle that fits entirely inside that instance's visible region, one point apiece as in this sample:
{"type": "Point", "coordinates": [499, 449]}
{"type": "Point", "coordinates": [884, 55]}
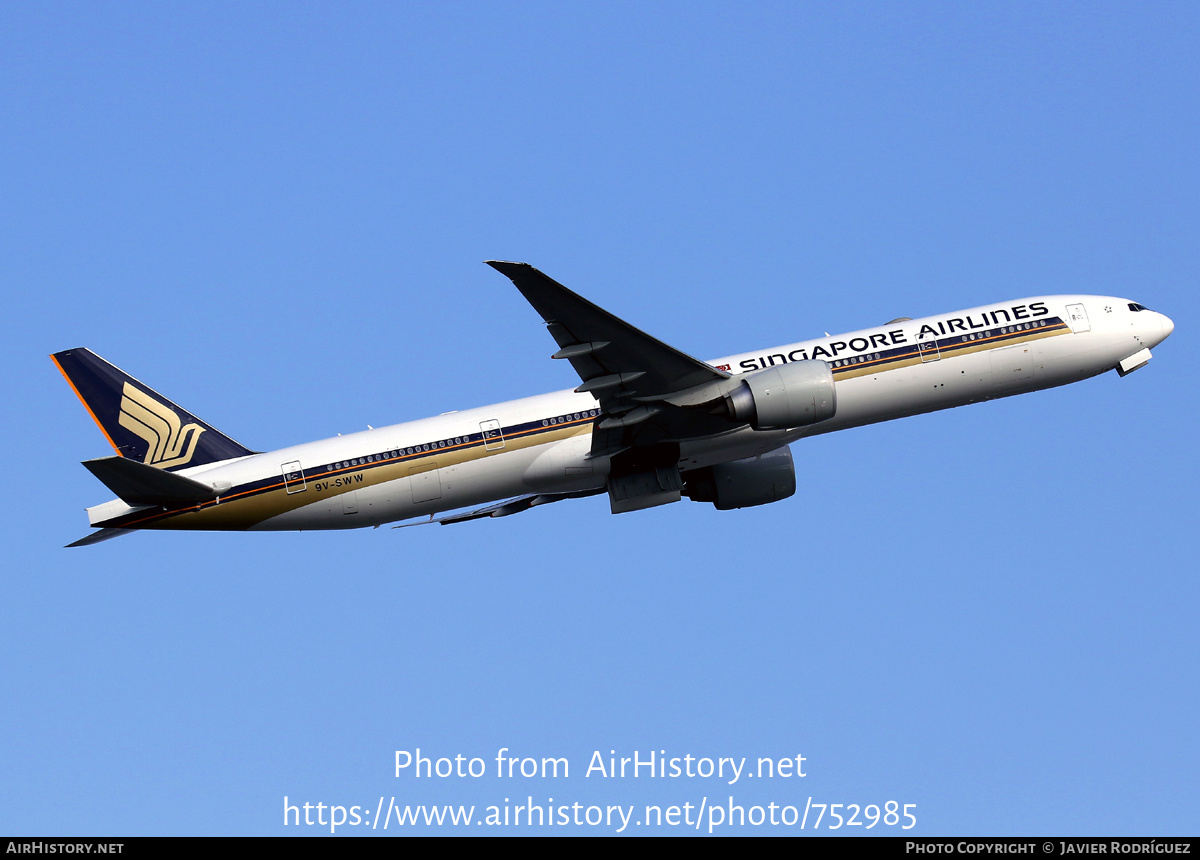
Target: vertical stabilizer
{"type": "Point", "coordinates": [139, 422]}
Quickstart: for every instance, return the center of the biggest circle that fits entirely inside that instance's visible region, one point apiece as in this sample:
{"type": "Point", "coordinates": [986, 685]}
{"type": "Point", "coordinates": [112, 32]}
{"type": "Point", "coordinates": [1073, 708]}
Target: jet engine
{"type": "Point", "coordinates": [744, 483]}
{"type": "Point", "coordinates": [795, 394]}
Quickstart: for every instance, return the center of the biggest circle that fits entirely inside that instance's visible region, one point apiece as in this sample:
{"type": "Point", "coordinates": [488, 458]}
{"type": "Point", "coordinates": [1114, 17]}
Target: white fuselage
{"type": "Point", "coordinates": [540, 444]}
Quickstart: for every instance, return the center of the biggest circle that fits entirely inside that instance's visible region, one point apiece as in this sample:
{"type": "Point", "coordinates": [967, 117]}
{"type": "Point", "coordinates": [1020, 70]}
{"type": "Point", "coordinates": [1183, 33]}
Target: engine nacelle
{"type": "Point", "coordinates": [744, 483]}
{"type": "Point", "coordinates": [795, 394]}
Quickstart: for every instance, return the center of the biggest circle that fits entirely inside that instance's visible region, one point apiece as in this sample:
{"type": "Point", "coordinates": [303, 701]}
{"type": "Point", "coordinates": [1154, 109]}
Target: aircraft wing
{"type": "Point", "coordinates": [646, 389]}
{"type": "Point", "coordinates": [502, 509]}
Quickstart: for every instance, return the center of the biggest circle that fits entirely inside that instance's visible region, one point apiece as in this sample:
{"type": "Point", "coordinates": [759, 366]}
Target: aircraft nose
{"type": "Point", "coordinates": [1167, 325]}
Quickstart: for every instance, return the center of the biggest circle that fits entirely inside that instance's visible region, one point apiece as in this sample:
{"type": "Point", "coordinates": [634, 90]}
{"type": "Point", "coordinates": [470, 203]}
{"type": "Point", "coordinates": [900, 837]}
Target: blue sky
{"type": "Point", "coordinates": [276, 214]}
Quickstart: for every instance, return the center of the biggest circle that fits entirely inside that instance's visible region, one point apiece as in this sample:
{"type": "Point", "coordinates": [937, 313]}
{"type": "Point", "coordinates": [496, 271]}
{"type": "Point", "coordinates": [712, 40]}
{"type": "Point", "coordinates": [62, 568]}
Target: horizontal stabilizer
{"type": "Point", "coordinates": [101, 535]}
{"type": "Point", "coordinates": [139, 484]}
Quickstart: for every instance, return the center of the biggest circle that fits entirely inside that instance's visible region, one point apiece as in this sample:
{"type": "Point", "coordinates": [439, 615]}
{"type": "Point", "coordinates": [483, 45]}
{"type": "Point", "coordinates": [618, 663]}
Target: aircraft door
{"type": "Point", "coordinates": [293, 477]}
{"type": "Point", "coordinates": [929, 350]}
{"type": "Point", "coordinates": [493, 436]}
{"type": "Point", "coordinates": [1077, 315]}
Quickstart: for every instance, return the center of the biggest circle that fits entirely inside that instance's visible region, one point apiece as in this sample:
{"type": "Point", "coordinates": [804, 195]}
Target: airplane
{"type": "Point", "coordinates": [648, 424]}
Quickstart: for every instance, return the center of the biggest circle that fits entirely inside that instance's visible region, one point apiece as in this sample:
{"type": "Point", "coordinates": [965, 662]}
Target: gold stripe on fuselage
{"type": "Point", "coordinates": [248, 508]}
{"type": "Point", "coordinates": [947, 351]}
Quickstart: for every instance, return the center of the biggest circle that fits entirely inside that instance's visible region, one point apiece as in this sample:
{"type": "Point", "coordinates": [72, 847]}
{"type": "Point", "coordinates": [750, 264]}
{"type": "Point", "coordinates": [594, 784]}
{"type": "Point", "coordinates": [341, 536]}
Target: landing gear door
{"type": "Point", "coordinates": [1077, 315]}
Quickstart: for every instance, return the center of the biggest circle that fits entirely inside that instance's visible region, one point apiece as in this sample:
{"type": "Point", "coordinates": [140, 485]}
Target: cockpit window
{"type": "Point", "coordinates": [1134, 306]}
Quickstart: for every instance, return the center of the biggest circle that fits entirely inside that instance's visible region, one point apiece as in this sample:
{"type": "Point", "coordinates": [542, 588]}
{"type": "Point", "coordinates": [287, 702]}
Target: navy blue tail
{"type": "Point", "coordinates": [139, 422]}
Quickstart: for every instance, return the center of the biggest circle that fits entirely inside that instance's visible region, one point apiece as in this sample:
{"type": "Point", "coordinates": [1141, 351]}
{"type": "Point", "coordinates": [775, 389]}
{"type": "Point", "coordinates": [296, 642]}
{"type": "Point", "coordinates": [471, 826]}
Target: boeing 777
{"type": "Point", "coordinates": [647, 424]}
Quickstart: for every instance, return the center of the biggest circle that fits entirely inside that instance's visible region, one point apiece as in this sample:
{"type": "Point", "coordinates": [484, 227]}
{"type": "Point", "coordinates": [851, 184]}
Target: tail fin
{"type": "Point", "coordinates": [139, 422]}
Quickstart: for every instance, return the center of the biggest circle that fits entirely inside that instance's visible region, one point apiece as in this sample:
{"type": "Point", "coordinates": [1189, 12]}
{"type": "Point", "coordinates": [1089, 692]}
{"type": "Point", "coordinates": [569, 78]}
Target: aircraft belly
{"type": "Point", "coordinates": [938, 384]}
{"type": "Point", "coordinates": [564, 467]}
{"type": "Point", "coordinates": [1086, 354]}
{"type": "Point", "coordinates": [490, 479]}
